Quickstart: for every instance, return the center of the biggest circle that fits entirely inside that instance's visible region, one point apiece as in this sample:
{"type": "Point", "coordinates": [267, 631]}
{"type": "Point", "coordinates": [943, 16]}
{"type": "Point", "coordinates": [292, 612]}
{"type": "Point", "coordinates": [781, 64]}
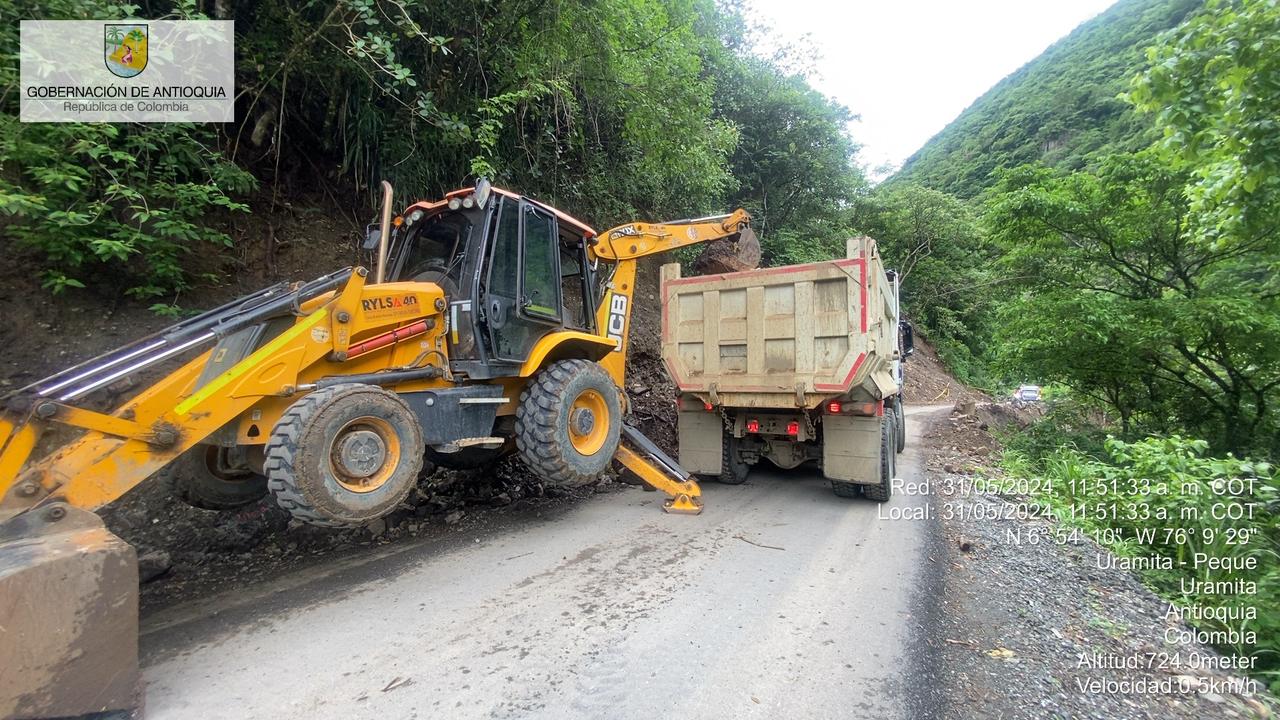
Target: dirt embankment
{"type": "Point", "coordinates": [925, 380]}
{"type": "Point", "coordinates": [43, 334]}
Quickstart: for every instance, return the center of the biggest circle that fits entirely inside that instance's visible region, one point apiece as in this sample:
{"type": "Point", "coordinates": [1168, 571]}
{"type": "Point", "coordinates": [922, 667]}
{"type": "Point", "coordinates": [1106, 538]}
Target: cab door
{"type": "Point", "coordinates": [522, 288]}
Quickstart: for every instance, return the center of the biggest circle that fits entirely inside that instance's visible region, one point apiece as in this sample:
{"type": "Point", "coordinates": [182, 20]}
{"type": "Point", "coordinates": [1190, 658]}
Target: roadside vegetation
{"type": "Point", "coordinates": [612, 110]}
{"type": "Point", "coordinates": [1106, 223]}
{"type": "Point", "coordinates": [1216, 520]}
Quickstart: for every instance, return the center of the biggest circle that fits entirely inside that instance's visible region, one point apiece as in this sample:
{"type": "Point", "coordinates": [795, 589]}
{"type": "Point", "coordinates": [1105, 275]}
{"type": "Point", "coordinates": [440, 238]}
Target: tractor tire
{"type": "Point", "coordinates": [733, 471]}
{"type": "Point", "coordinates": [900, 416]}
{"type": "Point", "coordinates": [344, 455]}
{"type": "Point", "coordinates": [883, 490]}
{"type": "Point", "coordinates": [197, 478]}
{"type": "Point", "coordinates": [568, 423]}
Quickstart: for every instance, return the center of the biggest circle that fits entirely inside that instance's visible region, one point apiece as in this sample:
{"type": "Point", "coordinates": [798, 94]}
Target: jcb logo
{"type": "Point", "coordinates": [617, 318]}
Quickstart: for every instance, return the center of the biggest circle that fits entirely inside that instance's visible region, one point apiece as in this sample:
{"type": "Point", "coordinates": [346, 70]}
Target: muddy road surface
{"type": "Point", "coordinates": [780, 600]}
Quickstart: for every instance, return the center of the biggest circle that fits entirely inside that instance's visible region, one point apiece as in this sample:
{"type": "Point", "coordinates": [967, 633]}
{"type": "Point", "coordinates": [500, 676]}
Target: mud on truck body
{"type": "Point", "coordinates": [791, 364]}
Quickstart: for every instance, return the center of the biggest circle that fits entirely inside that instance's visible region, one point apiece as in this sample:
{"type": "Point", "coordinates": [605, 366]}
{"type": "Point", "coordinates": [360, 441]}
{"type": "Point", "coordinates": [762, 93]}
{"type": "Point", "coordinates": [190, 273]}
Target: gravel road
{"type": "Point", "coordinates": [780, 600]}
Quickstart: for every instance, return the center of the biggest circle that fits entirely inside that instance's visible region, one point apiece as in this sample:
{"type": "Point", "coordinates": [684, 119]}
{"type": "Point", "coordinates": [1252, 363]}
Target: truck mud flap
{"type": "Point", "coordinates": [68, 616]}
{"type": "Point", "coordinates": [851, 448]}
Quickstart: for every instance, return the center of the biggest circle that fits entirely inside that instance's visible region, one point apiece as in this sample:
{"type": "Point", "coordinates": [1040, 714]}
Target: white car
{"type": "Point", "coordinates": [1026, 394]}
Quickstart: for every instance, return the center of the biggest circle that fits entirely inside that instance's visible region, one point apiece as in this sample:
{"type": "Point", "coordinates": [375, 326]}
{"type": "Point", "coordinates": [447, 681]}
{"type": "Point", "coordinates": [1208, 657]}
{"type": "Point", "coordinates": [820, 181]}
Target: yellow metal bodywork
{"type": "Point", "coordinates": [623, 246]}
{"type": "Point", "coordinates": [565, 344]}
{"type": "Point", "coordinates": [686, 496]}
{"type": "Point", "coordinates": [120, 449]}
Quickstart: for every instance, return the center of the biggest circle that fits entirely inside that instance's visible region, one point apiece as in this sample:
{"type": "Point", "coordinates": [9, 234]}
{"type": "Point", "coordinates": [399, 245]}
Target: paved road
{"type": "Point", "coordinates": [781, 600]}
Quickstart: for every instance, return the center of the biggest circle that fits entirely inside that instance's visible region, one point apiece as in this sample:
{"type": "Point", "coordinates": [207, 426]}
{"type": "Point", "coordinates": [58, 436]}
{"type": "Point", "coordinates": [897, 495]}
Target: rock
{"type": "Point", "coordinates": [453, 517]}
{"type": "Point", "coordinates": [951, 468]}
{"type": "Point", "coordinates": [377, 527]}
{"type": "Point", "coordinates": [153, 564]}
{"type": "Point", "coordinates": [965, 546]}
{"type": "Point", "coordinates": [723, 256]}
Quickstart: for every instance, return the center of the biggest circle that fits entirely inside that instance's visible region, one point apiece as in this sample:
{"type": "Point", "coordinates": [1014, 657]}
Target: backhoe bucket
{"type": "Point", "coordinates": [68, 616]}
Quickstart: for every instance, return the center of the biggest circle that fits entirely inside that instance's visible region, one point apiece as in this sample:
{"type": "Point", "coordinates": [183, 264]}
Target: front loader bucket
{"type": "Point", "coordinates": [68, 616]}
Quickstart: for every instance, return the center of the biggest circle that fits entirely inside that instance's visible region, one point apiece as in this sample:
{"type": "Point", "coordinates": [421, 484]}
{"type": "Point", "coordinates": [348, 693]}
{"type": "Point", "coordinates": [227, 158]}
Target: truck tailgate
{"type": "Point", "coordinates": [779, 337]}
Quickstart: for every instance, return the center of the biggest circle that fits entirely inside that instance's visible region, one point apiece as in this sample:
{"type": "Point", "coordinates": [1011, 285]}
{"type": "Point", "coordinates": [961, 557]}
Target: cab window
{"type": "Point", "coordinates": [540, 294]}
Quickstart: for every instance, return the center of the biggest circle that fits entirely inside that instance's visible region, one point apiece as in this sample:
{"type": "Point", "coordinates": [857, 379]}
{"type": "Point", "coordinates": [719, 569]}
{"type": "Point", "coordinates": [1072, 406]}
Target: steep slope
{"type": "Point", "coordinates": [1059, 108]}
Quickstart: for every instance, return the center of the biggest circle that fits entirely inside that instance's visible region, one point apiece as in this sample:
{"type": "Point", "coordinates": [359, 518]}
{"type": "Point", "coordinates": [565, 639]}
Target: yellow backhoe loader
{"type": "Point", "coordinates": [492, 324]}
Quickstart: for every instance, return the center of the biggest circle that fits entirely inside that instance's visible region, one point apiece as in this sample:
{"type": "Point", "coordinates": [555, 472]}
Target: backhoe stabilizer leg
{"type": "Point", "coordinates": [68, 616]}
{"type": "Point", "coordinates": [686, 496]}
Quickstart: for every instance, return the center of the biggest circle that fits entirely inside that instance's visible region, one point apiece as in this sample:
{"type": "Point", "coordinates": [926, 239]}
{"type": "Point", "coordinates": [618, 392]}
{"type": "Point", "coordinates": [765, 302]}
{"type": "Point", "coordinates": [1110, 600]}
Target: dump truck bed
{"type": "Point", "coordinates": [785, 336]}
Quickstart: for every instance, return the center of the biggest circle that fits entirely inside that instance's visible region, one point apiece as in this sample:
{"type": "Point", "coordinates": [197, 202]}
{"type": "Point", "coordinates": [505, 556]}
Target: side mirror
{"type": "Point", "coordinates": [908, 338]}
{"type": "Point", "coordinates": [372, 236]}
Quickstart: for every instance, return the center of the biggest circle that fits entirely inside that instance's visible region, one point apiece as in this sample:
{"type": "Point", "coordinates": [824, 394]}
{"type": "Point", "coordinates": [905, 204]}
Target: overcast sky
{"type": "Point", "coordinates": [908, 67]}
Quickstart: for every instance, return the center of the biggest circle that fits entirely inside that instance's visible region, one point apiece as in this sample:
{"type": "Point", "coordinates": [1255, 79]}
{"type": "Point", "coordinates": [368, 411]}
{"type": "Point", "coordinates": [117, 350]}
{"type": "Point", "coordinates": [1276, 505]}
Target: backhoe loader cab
{"type": "Point", "coordinates": [513, 272]}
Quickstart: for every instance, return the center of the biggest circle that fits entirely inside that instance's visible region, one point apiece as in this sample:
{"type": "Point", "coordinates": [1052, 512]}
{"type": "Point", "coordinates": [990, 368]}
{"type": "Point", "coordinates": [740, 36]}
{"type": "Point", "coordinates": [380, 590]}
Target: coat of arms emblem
{"type": "Point", "coordinates": [125, 50]}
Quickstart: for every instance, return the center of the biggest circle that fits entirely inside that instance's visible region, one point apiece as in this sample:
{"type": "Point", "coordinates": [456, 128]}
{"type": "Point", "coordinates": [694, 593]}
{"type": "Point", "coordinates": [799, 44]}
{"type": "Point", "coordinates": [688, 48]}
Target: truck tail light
{"type": "Point", "coordinates": [753, 426]}
{"type": "Point", "coordinates": [793, 428]}
{"type": "Point", "coordinates": [833, 407]}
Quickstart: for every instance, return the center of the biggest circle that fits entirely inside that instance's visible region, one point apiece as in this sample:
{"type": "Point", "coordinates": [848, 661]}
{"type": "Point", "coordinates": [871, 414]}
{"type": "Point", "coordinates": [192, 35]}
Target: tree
{"type": "Point", "coordinates": [1123, 305]}
{"type": "Point", "coordinates": [1213, 86]}
{"type": "Point", "coordinates": [935, 243]}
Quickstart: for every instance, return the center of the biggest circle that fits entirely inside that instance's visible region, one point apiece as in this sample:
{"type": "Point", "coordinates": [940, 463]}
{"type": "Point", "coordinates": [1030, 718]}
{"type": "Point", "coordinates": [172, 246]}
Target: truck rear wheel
{"type": "Point", "coordinates": [344, 455]}
{"type": "Point", "coordinates": [568, 422]}
{"type": "Point", "coordinates": [883, 490]}
{"type": "Point", "coordinates": [733, 471]}
{"type": "Point", "coordinates": [201, 477]}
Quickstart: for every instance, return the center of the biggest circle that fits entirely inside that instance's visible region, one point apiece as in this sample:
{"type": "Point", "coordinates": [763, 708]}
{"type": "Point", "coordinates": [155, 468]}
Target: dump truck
{"type": "Point", "coordinates": [491, 324]}
{"type": "Point", "coordinates": [797, 364]}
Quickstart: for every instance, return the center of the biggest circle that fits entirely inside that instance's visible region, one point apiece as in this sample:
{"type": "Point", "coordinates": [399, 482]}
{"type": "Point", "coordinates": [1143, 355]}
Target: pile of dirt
{"type": "Point", "coordinates": [970, 432]}
{"type": "Point", "coordinates": [650, 389]}
{"type": "Point", "coordinates": [925, 380]}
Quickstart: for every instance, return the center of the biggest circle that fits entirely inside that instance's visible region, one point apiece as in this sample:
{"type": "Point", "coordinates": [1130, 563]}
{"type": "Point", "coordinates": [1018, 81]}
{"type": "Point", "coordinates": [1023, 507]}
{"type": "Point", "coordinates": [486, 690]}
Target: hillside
{"type": "Point", "coordinates": [1060, 108]}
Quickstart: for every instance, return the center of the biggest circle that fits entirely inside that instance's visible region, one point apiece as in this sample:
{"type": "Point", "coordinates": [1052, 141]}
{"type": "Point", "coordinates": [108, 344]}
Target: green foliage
{"type": "Point", "coordinates": [113, 205]}
{"type": "Point", "coordinates": [1213, 86]}
{"type": "Point", "coordinates": [1158, 497]}
{"type": "Point", "coordinates": [1119, 303]}
{"type": "Point", "coordinates": [936, 243]}
{"type": "Point", "coordinates": [611, 109]}
{"type": "Point", "coordinates": [601, 107]}
{"type": "Point", "coordinates": [1060, 109]}
{"type": "Point", "coordinates": [793, 163]}
{"type": "Point", "coordinates": [116, 206]}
